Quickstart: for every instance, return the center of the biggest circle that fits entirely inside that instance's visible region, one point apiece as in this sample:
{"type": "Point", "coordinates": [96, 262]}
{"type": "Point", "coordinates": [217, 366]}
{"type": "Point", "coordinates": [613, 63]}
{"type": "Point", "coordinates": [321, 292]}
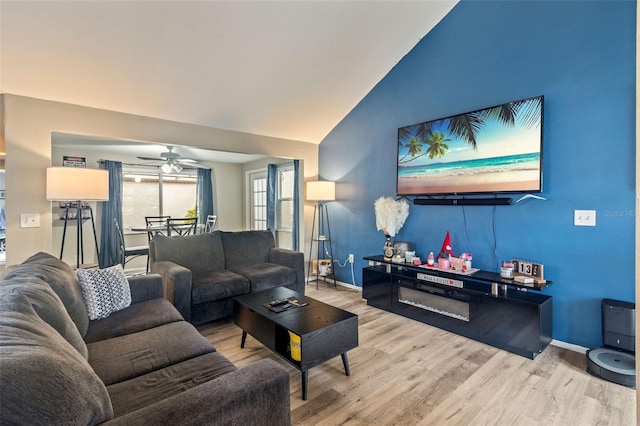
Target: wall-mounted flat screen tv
{"type": "Point", "coordinates": [496, 149]}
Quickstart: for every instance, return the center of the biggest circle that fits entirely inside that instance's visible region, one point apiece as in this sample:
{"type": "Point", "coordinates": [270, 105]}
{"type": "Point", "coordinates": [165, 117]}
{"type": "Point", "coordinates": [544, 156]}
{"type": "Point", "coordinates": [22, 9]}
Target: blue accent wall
{"type": "Point", "coordinates": [581, 56]}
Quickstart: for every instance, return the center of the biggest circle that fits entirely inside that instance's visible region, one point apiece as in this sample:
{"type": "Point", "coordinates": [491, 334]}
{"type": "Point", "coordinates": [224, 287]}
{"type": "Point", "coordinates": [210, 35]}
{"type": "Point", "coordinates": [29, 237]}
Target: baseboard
{"type": "Point", "coordinates": [349, 286]}
{"type": "Point", "coordinates": [340, 283]}
{"type": "Point", "coordinates": [570, 346]}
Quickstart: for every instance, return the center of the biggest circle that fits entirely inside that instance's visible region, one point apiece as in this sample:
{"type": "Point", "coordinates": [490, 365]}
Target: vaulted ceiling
{"type": "Point", "coordinates": [288, 69]}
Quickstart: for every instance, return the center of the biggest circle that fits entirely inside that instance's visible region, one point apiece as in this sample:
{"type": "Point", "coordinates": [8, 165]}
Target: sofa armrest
{"type": "Point", "coordinates": [254, 395]}
{"type": "Point", "coordinates": [292, 259]}
{"type": "Point", "coordinates": [145, 287]}
{"type": "Point", "coordinates": [177, 285]}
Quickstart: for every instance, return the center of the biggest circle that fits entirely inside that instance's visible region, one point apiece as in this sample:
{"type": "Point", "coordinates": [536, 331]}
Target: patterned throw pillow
{"type": "Point", "coordinates": [104, 290]}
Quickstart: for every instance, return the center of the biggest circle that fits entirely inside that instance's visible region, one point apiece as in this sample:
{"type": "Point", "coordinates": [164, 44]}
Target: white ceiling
{"type": "Point", "coordinates": [290, 69]}
{"type": "Point", "coordinates": [287, 69]}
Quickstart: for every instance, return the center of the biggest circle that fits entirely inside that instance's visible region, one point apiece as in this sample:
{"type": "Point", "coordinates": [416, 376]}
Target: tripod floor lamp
{"type": "Point", "coordinates": [75, 185]}
{"type": "Point", "coordinates": [321, 192]}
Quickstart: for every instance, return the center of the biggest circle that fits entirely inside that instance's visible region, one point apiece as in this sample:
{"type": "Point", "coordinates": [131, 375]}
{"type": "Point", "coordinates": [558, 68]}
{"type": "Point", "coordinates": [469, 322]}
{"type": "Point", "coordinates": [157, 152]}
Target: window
{"type": "Point", "coordinates": [257, 202]}
{"type": "Point", "coordinates": [156, 194]}
{"type": "Point", "coordinates": [284, 206]}
{"type": "Point", "coordinates": [257, 199]}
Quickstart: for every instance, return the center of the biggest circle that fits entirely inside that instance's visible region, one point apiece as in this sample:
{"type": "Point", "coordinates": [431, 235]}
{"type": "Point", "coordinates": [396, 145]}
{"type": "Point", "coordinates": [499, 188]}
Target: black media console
{"type": "Point", "coordinates": [481, 306]}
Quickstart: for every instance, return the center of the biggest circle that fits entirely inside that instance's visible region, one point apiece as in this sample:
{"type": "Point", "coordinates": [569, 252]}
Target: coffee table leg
{"type": "Point", "coordinates": [305, 379]}
{"type": "Point", "coordinates": [244, 339]}
{"type": "Point", "coordinates": [345, 362]}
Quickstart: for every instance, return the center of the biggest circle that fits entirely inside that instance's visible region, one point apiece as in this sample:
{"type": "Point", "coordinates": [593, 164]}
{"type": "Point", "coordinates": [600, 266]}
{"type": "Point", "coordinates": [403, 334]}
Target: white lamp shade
{"type": "Point", "coordinates": [321, 191]}
{"type": "Point", "coordinates": [77, 183]}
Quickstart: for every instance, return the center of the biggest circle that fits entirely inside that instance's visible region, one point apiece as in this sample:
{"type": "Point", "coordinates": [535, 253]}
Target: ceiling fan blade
{"type": "Point", "coordinates": [173, 157]}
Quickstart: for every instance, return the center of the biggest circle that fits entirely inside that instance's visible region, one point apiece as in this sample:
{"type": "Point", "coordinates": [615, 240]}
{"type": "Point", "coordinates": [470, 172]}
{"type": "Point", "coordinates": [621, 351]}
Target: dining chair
{"type": "Point", "coordinates": [210, 225]}
{"type": "Point", "coordinates": [130, 252]}
{"type": "Point", "coordinates": [156, 225]}
{"type": "Point", "coordinates": [181, 225]}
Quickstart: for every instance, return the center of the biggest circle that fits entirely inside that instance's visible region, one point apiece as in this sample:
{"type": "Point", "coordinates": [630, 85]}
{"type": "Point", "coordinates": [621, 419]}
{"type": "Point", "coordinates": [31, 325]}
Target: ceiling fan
{"type": "Point", "coordinates": [171, 161]}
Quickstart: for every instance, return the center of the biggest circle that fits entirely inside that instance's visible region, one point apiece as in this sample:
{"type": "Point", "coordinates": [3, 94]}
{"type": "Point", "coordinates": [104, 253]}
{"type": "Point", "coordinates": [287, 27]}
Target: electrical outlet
{"type": "Point", "coordinates": [350, 257]}
{"type": "Point", "coordinates": [584, 217]}
{"type": "Point", "coordinates": [29, 220]}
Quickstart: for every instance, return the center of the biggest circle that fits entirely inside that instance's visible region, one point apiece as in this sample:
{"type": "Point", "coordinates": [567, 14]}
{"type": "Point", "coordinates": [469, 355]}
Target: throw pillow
{"type": "Point", "coordinates": [104, 290]}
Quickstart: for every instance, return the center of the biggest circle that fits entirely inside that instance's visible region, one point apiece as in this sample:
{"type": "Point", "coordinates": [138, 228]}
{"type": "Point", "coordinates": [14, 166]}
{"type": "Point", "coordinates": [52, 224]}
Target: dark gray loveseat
{"type": "Point", "coordinates": [203, 273]}
{"type": "Point", "coordinates": [142, 365]}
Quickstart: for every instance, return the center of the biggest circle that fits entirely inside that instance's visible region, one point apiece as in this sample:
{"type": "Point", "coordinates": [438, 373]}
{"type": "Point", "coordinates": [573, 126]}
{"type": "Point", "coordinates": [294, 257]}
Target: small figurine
{"type": "Point", "coordinates": [431, 259]}
{"type": "Point", "coordinates": [506, 271]}
{"type": "Point", "coordinates": [444, 261]}
{"type": "Point", "coordinates": [446, 247]}
{"type": "Point", "coordinates": [467, 257]}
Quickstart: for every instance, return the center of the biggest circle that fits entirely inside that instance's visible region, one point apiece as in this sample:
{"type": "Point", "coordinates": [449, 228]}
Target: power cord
{"type": "Point", "coordinates": [353, 277]}
{"type": "Point", "coordinates": [495, 240]}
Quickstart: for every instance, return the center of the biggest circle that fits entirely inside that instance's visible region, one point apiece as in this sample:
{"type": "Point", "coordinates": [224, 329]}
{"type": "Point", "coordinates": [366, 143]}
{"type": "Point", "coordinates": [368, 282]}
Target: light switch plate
{"type": "Point", "coordinates": [584, 217]}
{"type": "Point", "coordinates": [29, 220]}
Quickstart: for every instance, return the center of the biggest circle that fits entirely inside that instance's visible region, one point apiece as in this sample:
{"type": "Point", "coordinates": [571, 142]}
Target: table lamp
{"type": "Point", "coordinates": [77, 184]}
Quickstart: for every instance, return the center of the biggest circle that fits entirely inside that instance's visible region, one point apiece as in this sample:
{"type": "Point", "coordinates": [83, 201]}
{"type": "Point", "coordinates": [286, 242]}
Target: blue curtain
{"type": "Point", "coordinates": [272, 174]}
{"type": "Point", "coordinates": [205, 195]}
{"type": "Point", "coordinates": [112, 209]}
{"type": "Point", "coordinates": [296, 206]}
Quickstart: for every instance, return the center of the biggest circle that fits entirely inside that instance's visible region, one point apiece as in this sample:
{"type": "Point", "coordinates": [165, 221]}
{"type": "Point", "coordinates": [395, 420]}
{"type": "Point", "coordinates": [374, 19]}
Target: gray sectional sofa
{"type": "Point", "coordinates": [203, 273]}
{"type": "Point", "coordinates": [141, 365]}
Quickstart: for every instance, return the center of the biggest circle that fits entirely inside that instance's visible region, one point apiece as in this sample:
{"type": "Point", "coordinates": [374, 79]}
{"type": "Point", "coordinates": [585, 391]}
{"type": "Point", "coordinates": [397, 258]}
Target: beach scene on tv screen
{"type": "Point", "coordinates": [496, 149]}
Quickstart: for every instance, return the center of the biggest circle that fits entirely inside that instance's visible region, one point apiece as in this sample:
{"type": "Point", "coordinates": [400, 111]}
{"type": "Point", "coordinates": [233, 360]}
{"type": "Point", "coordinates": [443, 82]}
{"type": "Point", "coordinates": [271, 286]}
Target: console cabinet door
{"type": "Point", "coordinates": [376, 287]}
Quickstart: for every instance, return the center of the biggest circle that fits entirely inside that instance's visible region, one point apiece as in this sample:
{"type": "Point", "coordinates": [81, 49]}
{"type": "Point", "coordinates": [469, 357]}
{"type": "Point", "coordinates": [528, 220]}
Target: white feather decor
{"type": "Point", "coordinates": [390, 215]}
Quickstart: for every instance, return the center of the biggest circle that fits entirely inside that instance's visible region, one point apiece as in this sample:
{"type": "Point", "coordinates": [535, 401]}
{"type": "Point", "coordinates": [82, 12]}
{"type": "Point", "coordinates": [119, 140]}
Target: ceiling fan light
{"type": "Point", "coordinates": [166, 168]}
{"type": "Point", "coordinates": [177, 167]}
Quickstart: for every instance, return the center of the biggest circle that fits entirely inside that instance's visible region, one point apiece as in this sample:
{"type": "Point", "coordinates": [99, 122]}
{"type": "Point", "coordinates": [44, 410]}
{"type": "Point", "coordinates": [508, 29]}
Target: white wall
{"type": "Point", "coordinates": [228, 196]}
{"type": "Point", "coordinates": [29, 123]}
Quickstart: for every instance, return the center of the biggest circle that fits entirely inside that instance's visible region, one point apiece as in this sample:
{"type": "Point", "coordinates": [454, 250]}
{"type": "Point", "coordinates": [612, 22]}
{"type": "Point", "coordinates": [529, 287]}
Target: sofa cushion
{"type": "Point", "coordinates": [258, 394]}
{"type": "Point", "coordinates": [46, 304]}
{"type": "Point", "coordinates": [137, 317]}
{"type": "Point", "coordinates": [166, 382]}
{"type": "Point", "coordinates": [104, 290]}
{"type": "Point", "coordinates": [217, 285]}
{"type": "Point", "coordinates": [267, 275]}
{"type": "Point", "coordinates": [62, 280]}
{"type": "Point", "coordinates": [211, 311]}
{"type": "Point", "coordinates": [199, 253]}
{"type": "Point", "coordinates": [44, 379]}
{"type": "Point", "coordinates": [125, 357]}
{"type": "Point", "coordinates": [246, 248]}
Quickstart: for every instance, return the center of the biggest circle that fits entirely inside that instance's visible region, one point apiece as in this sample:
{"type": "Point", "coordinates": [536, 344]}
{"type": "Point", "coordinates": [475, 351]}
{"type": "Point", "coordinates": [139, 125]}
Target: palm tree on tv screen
{"type": "Point", "coordinates": [414, 139]}
{"type": "Point", "coordinates": [437, 145]}
{"type": "Point", "coordinates": [467, 127]}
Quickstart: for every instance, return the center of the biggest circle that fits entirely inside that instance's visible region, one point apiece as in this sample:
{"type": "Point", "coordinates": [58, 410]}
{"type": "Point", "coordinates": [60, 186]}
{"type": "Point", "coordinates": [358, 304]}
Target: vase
{"type": "Point", "coordinates": [388, 248]}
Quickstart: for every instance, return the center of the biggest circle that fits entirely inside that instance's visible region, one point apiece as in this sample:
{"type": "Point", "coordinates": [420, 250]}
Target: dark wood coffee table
{"type": "Point", "coordinates": [325, 331]}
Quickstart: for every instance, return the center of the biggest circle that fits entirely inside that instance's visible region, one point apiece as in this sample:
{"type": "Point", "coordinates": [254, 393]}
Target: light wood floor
{"type": "Point", "coordinates": [408, 373]}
